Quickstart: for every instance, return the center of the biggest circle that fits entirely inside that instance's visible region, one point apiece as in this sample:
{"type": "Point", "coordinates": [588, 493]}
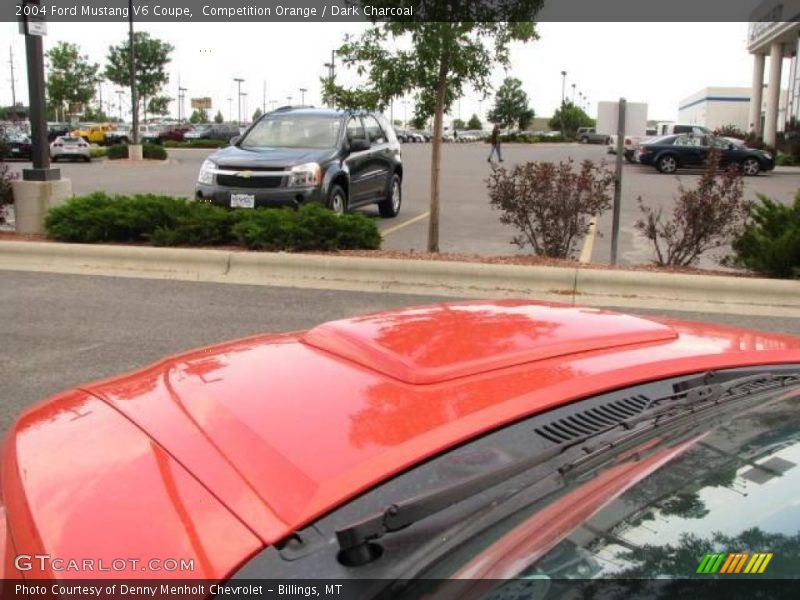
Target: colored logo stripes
{"type": "Point", "coordinates": [733, 563]}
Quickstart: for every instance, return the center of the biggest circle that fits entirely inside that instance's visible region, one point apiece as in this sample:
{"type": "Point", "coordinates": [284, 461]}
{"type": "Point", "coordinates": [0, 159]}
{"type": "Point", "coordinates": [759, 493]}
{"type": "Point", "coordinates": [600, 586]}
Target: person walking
{"type": "Point", "coordinates": [495, 140]}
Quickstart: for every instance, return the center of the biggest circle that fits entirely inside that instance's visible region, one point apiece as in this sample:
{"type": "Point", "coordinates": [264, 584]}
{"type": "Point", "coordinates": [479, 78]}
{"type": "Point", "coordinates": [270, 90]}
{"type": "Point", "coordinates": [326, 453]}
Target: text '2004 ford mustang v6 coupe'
{"type": "Point", "coordinates": [511, 442]}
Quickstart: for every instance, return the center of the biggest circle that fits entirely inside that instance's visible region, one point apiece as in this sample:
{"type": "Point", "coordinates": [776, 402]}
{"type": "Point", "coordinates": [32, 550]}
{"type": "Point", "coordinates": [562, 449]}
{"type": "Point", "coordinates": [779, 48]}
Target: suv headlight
{"type": "Point", "coordinates": [307, 175]}
{"type": "Point", "coordinates": [207, 172]}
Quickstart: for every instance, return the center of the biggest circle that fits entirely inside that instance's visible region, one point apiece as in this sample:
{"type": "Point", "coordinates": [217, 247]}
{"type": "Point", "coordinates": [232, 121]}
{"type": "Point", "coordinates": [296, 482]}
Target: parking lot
{"type": "Point", "coordinates": [468, 224]}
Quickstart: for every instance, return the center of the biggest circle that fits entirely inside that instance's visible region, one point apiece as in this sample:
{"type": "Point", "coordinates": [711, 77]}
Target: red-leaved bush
{"type": "Point", "coordinates": [550, 204]}
{"type": "Point", "coordinates": [706, 217]}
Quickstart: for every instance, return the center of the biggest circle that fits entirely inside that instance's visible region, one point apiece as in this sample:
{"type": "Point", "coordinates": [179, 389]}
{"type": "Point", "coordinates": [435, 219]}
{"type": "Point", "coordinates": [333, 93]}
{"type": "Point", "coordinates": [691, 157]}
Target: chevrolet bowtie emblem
{"type": "Point", "coordinates": [246, 174]}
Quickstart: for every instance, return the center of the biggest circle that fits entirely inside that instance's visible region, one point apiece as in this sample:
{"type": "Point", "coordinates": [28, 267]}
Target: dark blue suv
{"type": "Point", "coordinates": [343, 159]}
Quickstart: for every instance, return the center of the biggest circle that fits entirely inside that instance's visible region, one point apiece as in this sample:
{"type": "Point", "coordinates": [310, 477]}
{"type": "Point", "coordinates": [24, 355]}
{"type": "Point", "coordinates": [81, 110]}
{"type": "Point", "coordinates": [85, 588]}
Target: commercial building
{"type": "Point", "coordinates": [716, 107]}
{"type": "Point", "coordinates": [774, 32]}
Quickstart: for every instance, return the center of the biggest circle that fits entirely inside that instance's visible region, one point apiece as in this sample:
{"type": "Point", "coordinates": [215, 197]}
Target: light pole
{"type": "Point", "coordinates": [230, 109]}
{"type": "Point", "coordinates": [303, 96]}
{"type": "Point", "coordinates": [181, 96]}
{"type": "Point", "coordinates": [573, 93]}
{"type": "Point", "coordinates": [244, 107]}
{"type": "Point", "coordinates": [289, 100]}
{"type": "Point", "coordinates": [132, 67]}
{"type": "Point", "coordinates": [119, 102]}
{"type": "Point", "coordinates": [331, 66]}
{"type": "Point", "coordinates": [239, 82]}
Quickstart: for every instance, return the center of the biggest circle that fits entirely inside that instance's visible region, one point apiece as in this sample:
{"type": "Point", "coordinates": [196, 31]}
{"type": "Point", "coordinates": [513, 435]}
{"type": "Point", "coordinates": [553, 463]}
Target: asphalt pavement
{"type": "Point", "coordinates": [468, 223]}
{"type": "Point", "coordinates": [59, 331]}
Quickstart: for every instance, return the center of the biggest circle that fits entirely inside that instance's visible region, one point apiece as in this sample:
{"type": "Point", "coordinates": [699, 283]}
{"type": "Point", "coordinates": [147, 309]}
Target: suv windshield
{"type": "Point", "coordinates": [294, 131]}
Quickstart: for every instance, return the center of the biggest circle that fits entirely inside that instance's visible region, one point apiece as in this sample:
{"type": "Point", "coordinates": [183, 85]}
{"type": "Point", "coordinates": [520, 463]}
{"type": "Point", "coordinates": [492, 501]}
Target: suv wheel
{"type": "Point", "coordinates": [390, 206]}
{"type": "Point", "coordinates": [337, 200]}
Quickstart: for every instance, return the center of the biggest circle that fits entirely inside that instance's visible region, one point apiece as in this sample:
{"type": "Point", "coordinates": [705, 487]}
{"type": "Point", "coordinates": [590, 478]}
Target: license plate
{"type": "Point", "coordinates": [14, 150]}
{"type": "Point", "coordinates": [243, 201]}
{"type": "Point", "coordinates": [70, 147]}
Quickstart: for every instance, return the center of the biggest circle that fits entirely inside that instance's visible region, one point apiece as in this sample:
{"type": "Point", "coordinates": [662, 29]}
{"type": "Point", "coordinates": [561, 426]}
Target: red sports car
{"type": "Point", "coordinates": [509, 443]}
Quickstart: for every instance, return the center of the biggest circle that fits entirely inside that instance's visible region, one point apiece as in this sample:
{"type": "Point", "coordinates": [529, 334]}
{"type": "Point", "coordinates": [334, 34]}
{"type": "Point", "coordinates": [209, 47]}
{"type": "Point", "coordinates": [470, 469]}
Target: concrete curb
{"type": "Point", "coordinates": [593, 287]}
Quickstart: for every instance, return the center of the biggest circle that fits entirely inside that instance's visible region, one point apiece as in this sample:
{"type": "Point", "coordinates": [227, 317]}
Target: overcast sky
{"type": "Point", "coordinates": [656, 63]}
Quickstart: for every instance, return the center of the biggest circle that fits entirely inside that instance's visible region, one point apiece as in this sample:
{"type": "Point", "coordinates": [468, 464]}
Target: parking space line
{"type": "Point", "coordinates": [390, 230]}
{"type": "Point", "coordinates": [588, 243]}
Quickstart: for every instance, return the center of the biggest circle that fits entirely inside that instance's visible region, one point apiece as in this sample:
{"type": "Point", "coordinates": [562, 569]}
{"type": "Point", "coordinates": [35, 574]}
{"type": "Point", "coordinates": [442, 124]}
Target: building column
{"type": "Point", "coordinates": [756, 93]}
{"type": "Point", "coordinates": [773, 93]}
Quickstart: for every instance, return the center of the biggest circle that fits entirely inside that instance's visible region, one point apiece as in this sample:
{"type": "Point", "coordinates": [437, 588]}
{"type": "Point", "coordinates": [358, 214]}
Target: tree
{"type": "Point", "coordinates": [218, 118]}
{"type": "Point", "coordinates": [474, 123]}
{"type": "Point", "coordinates": [419, 122]}
{"type": "Point", "coordinates": [199, 116]}
{"type": "Point", "coordinates": [71, 77]}
{"type": "Point", "coordinates": [257, 115]}
{"type": "Point", "coordinates": [459, 124]}
{"type": "Point", "coordinates": [434, 59]}
{"type": "Point", "coordinates": [511, 105]}
{"type": "Point", "coordinates": [159, 105]}
{"type": "Point", "coordinates": [152, 57]}
{"type": "Point", "coordinates": [573, 117]}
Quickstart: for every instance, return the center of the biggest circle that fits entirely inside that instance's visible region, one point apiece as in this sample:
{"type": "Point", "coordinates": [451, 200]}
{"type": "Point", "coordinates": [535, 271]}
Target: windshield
{"type": "Point", "coordinates": [294, 131]}
{"type": "Point", "coordinates": [729, 491]}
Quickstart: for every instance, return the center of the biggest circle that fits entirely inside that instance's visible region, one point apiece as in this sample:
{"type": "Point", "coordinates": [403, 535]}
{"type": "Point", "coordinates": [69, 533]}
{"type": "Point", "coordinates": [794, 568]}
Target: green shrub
{"type": "Point", "coordinates": [168, 221]}
{"type": "Point", "coordinates": [201, 225]}
{"type": "Point", "coordinates": [117, 151]}
{"type": "Point", "coordinates": [98, 152]}
{"type": "Point", "coordinates": [154, 152]}
{"type": "Point", "coordinates": [771, 242]}
{"type": "Point", "coordinates": [787, 160]}
{"type": "Point", "coordinates": [311, 227]}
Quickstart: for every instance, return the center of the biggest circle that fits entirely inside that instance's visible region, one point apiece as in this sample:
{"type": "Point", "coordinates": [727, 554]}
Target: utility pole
{"type": "Point", "coordinates": [618, 180]}
{"type": "Point", "coordinates": [13, 82]}
{"type": "Point", "coordinates": [563, 89]}
{"type": "Point", "coordinates": [303, 96]}
{"type": "Point", "coordinates": [243, 107]}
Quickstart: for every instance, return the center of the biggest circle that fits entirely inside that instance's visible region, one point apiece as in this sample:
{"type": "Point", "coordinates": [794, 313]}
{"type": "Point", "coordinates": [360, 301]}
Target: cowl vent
{"type": "Point", "coordinates": [593, 420]}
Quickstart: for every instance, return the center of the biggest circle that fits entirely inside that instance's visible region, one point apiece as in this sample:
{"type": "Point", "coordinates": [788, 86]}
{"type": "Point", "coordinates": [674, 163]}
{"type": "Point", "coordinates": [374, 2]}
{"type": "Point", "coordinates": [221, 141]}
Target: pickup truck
{"type": "Point", "coordinates": [588, 135]}
{"type": "Point", "coordinates": [630, 143]}
{"type": "Point", "coordinates": [94, 134]}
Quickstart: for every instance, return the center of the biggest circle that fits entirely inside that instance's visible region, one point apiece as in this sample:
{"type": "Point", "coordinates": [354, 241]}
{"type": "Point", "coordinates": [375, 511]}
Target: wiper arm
{"type": "Point", "coordinates": [355, 540]}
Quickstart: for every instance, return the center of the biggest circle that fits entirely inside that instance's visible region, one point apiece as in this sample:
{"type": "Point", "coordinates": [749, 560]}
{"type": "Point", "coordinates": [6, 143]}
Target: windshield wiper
{"type": "Point", "coordinates": [355, 541]}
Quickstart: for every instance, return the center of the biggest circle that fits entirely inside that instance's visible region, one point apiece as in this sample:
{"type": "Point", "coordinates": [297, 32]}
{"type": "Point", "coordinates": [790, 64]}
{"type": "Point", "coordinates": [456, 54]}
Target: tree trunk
{"type": "Point", "coordinates": [436, 155]}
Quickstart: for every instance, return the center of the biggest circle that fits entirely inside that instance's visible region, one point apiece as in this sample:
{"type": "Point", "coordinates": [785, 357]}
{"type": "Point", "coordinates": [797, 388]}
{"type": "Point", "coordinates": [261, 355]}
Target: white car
{"type": "Point", "coordinates": [66, 146]}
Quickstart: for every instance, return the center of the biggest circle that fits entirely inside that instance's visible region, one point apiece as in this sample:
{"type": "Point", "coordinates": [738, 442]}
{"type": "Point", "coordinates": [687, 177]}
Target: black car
{"type": "Point", "coordinates": [16, 146]}
{"type": "Point", "coordinates": [668, 154]}
{"type": "Point", "coordinates": [342, 159]}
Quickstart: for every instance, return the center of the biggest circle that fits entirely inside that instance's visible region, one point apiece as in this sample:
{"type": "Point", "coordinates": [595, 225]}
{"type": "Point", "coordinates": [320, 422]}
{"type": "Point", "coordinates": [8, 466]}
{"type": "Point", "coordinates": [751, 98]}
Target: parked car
{"type": "Point", "coordinates": [520, 447]}
{"type": "Point", "coordinates": [92, 133]}
{"type": "Point", "coordinates": [15, 145]}
{"type": "Point", "coordinates": [342, 159]}
{"type": "Point", "coordinates": [673, 152]}
{"type": "Point", "coordinates": [70, 147]}
{"type": "Point", "coordinates": [588, 135]}
{"type": "Point", "coordinates": [221, 131]}
{"type": "Point", "coordinates": [121, 134]}
{"type": "Point", "coordinates": [55, 129]}
{"type": "Point", "coordinates": [423, 136]}
{"type": "Point", "coordinates": [175, 133]}
{"type": "Point", "coordinates": [148, 133]}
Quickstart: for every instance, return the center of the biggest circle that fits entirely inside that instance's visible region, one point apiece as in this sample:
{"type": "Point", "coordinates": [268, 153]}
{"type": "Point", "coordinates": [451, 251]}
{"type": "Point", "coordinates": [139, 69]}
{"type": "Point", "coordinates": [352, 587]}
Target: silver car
{"type": "Point", "coordinates": [66, 146]}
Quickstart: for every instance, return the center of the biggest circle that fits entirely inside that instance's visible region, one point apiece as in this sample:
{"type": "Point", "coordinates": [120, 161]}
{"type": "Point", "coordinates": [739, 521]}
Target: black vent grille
{"type": "Point", "coordinates": [593, 420]}
{"type": "Point", "coordinates": [249, 182]}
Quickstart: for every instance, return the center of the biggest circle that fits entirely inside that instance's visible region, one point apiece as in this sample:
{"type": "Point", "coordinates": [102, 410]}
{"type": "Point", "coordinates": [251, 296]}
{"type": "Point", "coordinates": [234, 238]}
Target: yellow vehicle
{"type": "Point", "coordinates": [94, 134]}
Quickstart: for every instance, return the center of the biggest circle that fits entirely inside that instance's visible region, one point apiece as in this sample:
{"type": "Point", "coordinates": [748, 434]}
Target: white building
{"type": "Point", "coordinates": [716, 107]}
{"type": "Point", "coordinates": [774, 31]}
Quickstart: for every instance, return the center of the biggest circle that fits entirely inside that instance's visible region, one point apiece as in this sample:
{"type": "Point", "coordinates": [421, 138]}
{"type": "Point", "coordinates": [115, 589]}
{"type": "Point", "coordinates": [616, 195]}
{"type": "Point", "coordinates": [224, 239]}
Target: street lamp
{"type": "Point", "coordinates": [303, 96]}
{"type": "Point", "coordinates": [239, 82]}
{"type": "Point", "coordinates": [244, 107]}
{"type": "Point", "coordinates": [230, 109]}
